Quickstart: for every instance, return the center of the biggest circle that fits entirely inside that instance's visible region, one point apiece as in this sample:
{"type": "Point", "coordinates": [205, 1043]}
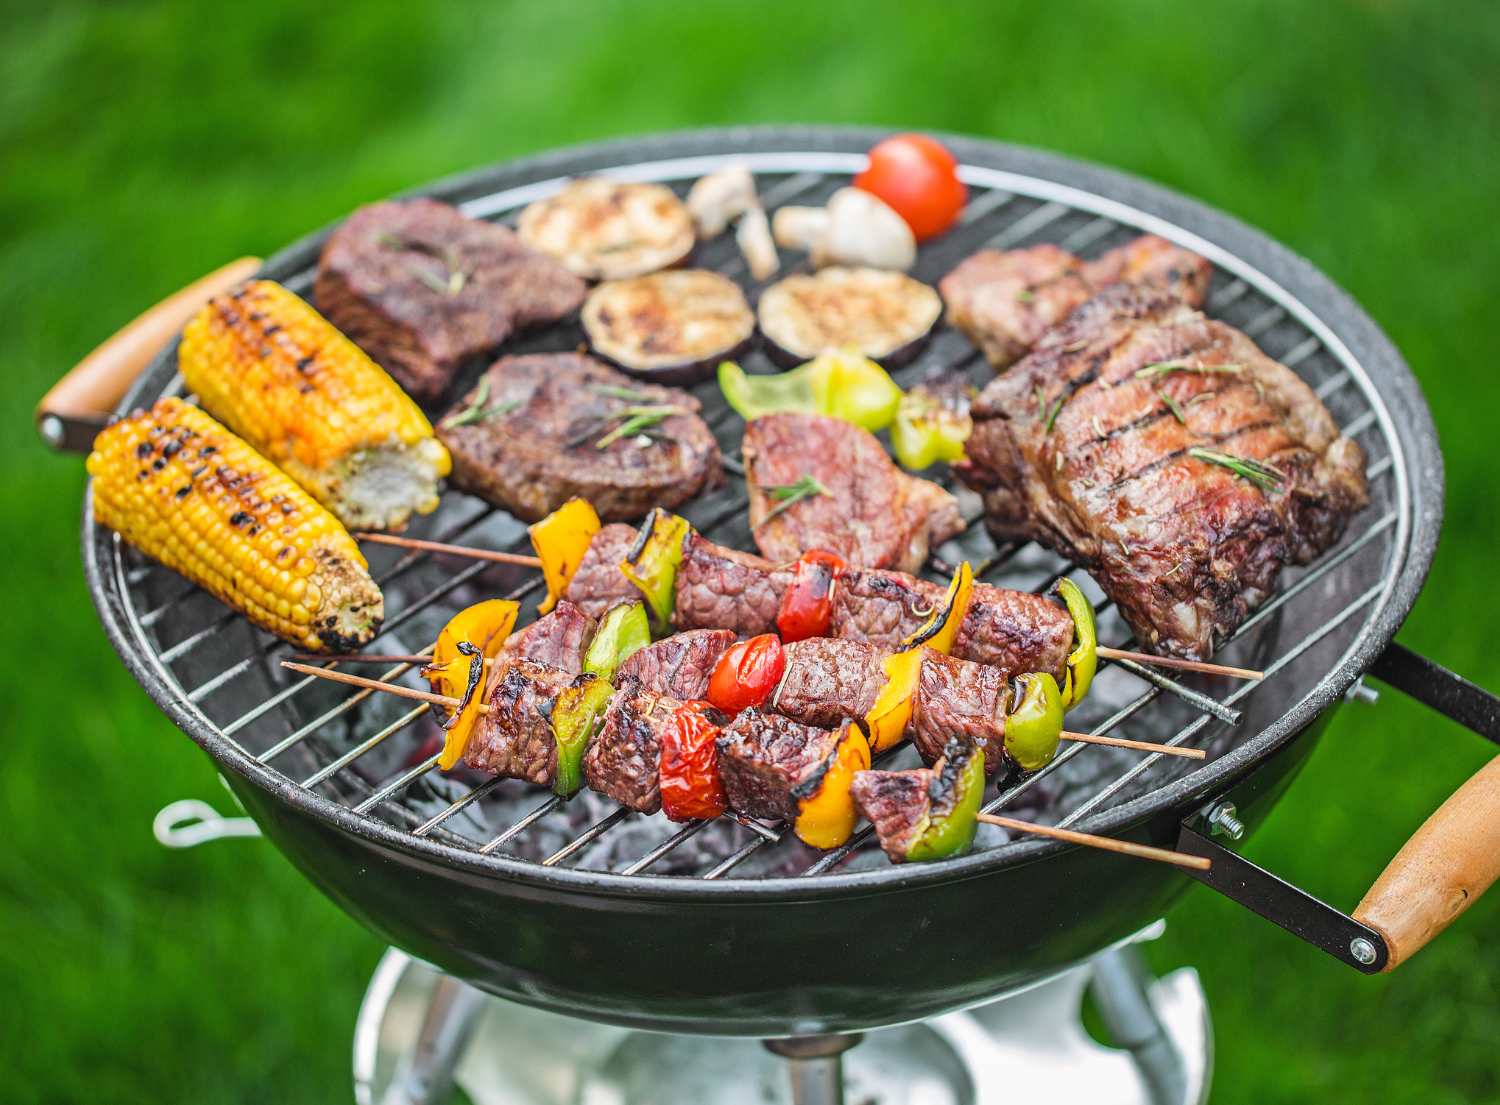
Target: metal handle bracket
{"type": "Point", "coordinates": [1433, 685]}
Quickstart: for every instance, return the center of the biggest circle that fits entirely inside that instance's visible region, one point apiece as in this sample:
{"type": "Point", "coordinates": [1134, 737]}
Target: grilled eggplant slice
{"type": "Point", "coordinates": [673, 327]}
{"type": "Point", "coordinates": [604, 230]}
{"type": "Point", "coordinates": [886, 316]}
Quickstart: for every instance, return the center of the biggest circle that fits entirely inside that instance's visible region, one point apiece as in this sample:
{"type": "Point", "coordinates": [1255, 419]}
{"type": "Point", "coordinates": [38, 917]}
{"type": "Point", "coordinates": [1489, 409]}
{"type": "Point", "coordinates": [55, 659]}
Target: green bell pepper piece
{"type": "Point", "coordinates": [753, 396]}
{"type": "Point", "coordinates": [623, 633]}
{"type": "Point", "coordinates": [652, 564]}
{"type": "Point", "coordinates": [842, 384]}
{"type": "Point", "coordinates": [954, 795]}
{"type": "Point", "coordinates": [571, 715]}
{"type": "Point", "coordinates": [925, 431]}
{"type": "Point", "coordinates": [1034, 727]}
{"type": "Point", "coordinates": [1083, 660]}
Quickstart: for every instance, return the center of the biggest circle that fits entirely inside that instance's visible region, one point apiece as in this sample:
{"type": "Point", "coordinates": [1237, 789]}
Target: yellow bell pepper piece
{"type": "Point", "coordinates": [941, 630]}
{"type": "Point", "coordinates": [826, 818]}
{"type": "Point", "coordinates": [561, 539]}
{"type": "Point", "coordinates": [485, 626]}
{"type": "Point", "coordinates": [889, 716]}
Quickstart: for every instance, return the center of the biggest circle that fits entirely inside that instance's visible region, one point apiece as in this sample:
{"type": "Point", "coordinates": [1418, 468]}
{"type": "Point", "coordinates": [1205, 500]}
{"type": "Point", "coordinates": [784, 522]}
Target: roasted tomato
{"type": "Point", "coordinates": [918, 178]}
{"type": "Point", "coordinates": [807, 606]}
{"type": "Point", "coordinates": [747, 673]}
{"type": "Point", "coordinates": [690, 784]}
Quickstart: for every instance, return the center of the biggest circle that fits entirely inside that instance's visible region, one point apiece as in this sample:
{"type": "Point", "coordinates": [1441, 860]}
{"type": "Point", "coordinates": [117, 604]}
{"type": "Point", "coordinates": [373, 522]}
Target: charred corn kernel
{"type": "Point", "coordinates": [181, 488]}
{"type": "Point", "coordinates": [277, 373]}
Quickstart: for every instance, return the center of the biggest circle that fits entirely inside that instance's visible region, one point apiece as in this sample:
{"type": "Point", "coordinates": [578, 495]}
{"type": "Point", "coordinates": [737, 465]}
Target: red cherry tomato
{"type": "Point", "coordinates": [747, 673]}
{"type": "Point", "coordinates": [807, 607]}
{"type": "Point", "coordinates": [918, 178]}
{"type": "Point", "coordinates": [690, 784]}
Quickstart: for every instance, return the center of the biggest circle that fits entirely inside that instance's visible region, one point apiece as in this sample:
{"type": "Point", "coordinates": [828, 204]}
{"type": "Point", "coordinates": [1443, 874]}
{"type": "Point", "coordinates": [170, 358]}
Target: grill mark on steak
{"type": "Point", "coordinates": [680, 665]}
{"type": "Point", "coordinates": [520, 459]}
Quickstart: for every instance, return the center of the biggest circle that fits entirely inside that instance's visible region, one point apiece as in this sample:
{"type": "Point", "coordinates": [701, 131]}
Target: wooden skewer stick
{"type": "Point", "coordinates": [453, 550]}
{"type": "Point", "coordinates": [1108, 843]}
{"type": "Point", "coordinates": [369, 658]}
{"type": "Point", "coordinates": [377, 685]}
{"type": "Point", "coordinates": [1118, 742]}
{"type": "Point", "coordinates": [1181, 665]}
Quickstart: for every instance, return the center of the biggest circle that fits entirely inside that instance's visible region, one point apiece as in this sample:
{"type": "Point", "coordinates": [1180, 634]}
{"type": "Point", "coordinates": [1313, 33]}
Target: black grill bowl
{"type": "Point", "coordinates": [879, 945]}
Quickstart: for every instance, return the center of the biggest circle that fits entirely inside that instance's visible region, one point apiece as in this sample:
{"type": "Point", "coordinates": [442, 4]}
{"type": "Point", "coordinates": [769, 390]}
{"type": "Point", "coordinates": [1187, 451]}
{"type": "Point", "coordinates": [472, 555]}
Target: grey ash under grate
{"type": "Point", "coordinates": [362, 750]}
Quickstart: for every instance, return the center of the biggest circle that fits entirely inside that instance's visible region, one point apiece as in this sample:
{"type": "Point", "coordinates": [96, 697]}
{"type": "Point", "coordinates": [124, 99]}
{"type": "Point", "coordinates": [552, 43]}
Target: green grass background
{"type": "Point", "coordinates": [144, 143]}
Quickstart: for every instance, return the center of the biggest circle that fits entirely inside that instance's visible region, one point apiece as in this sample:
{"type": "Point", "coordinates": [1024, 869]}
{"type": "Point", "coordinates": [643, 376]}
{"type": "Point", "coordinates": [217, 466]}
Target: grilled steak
{"type": "Point", "coordinates": [541, 446]}
{"type": "Point", "coordinates": [875, 514]}
{"type": "Point", "coordinates": [828, 681]}
{"type": "Point", "coordinates": [514, 739]}
{"type": "Point", "coordinates": [599, 584]}
{"type": "Point", "coordinates": [680, 665]}
{"type": "Point", "coordinates": [559, 640]}
{"type": "Point", "coordinates": [763, 757]}
{"type": "Point", "coordinates": [1181, 543]}
{"type": "Point", "coordinates": [1005, 301]}
{"type": "Point", "coordinates": [962, 700]}
{"type": "Point", "coordinates": [422, 289]}
{"type": "Point", "coordinates": [1012, 630]}
{"type": "Point", "coordinates": [896, 803]}
{"type": "Point", "coordinates": [624, 761]}
{"type": "Point", "coordinates": [720, 588]}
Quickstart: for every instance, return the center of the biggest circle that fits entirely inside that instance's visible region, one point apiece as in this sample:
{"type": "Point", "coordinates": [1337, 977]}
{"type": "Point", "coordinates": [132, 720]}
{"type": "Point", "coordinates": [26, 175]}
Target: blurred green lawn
{"type": "Point", "coordinates": [144, 143]}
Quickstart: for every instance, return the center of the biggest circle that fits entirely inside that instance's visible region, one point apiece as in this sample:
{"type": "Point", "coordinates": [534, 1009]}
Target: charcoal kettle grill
{"type": "Point", "coordinates": [734, 928]}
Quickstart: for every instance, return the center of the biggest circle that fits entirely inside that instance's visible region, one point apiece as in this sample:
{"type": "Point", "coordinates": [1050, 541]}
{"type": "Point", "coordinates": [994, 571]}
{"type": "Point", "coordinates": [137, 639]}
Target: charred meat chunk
{"type": "Point", "coordinates": [722, 588]}
{"type": "Point", "coordinates": [828, 681]}
{"type": "Point", "coordinates": [764, 757]}
{"type": "Point", "coordinates": [895, 802]}
{"type": "Point", "coordinates": [1165, 453]}
{"type": "Point", "coordinates": [1152, 260]}
{"type": "Point", "coordinates": [598, 583]}
{"type": "Point", "coordinates": [560, 640]}
{"type": "Point", "coordinates": [874, 514]}
{"type": "Point", "coordinates": [541, 429]}
{"type": "Point", "coordinates": [924, 814]}
{"type": "Point", "coordinates": [624, 761]}
{"type": "Point", "coordinates": [963, 701]}
{"type": "Point", "coordinates": [680, 665]}
{"type": "Point", "coordinates": [514, 739]}
{"type": "Point", "coordinates": [422, 289]}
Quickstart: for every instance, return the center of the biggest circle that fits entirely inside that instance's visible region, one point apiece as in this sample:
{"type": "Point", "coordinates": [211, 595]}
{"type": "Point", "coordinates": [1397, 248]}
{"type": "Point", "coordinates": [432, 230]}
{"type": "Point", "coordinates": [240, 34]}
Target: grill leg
{"type": "Point", "coordinates": [1119, 986]}
{"type": "Point", "coordinates": [817, 1066]}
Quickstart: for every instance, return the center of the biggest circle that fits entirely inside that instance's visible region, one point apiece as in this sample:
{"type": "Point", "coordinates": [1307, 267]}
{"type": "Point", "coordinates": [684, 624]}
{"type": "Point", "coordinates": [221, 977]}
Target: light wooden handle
{"type": "Point", "coordinates": [1451, 860]}
{"type": "Point", "coordinates": [87, 395]}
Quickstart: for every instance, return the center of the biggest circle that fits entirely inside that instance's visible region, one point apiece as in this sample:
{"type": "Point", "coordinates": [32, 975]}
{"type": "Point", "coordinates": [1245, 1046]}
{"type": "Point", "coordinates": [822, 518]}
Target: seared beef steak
{"type": "Point", "coordinates": [874, 515]}
{"type": "Point", "coordinates": [895, 802]}
{"type": "Point", "coordinates": [719, 588]}
{"type": "Point", "coordinates": [762, 758]}
{"type": "Point", "coordinates": [1005, 301]}
{"type": "Point", "coordinates": [540, 447]}
{"type": "Point", "coordinates": [960, 700]}
{"type": "Point", "coordinates": [828, 681]}
{"type": "Point", "coordinates": [680, 665]}
{"type": "Point", "coordinates": [1183, 545]}
{"type": "Point", "coordinates": [422, 289]}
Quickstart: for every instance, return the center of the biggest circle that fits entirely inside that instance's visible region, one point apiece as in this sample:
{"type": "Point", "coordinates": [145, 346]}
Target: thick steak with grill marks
{"type": "Point", "coordinates": [722, 588]}
{"type": "Point", "coordinates": [540, 447]}
{"type": "Point", "coordinates": [680, 665]}
{"type": "Point", "coordinates": [387, 278]}
{"type": "Point", "coordinates": [1184, 546]}
{"type": "Point", "coordinates": [1005, 301]}
{"type": "Point", "coordinates": [875, 514]}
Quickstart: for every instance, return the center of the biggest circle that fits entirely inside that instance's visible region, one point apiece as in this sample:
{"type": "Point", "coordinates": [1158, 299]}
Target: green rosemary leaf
{"type": "Point", "coordinates": [792, 493]}
{"type": "Point", "coordinates": [618, 393]}
{"type": "Point", "coordinates": [435, 283]}
{"type": "Point", "coordinates": [1026, 295]}
{"type": "Point", "coordinates": [476, 411]}
{"type": "Point", "coordinates": [636, 419]}
{"type": "Point", "coordinates": [1098, 429]}
{"type": "Point", "coordinates": [1265, 476]}
{"type": "Point", "coordinates": [1051, 418]}
{"type": "Point", "coordinates": [1158, 369]}
{"type": "Point", "coordinates": [1173, 407]}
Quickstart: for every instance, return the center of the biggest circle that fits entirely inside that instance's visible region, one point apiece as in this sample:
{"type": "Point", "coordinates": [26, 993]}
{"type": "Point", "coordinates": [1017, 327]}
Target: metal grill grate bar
{"type": "Point", "coordinates": [522, 825]}
{"type": "Point", "coordinates": [462, 804]}
{"type": "Point", "coordinates": [592, 834]}
{"type": "Point", "coordinates": [355, 753]}
{"type": "Point", "coordinates": [1027, 225]}
{"type": "Point", "coordinates": [405, 781]}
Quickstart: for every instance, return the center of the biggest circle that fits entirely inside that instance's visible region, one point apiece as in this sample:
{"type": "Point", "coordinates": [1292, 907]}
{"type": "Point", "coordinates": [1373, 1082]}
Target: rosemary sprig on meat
{"type": "Point", "coordinates": [476, 410]}
{"type": "Point", "coordinates": [1157, 369]}
{"type": "Point", "coordinates": [627, 421]}
{"type": "Point", "coordinates": [1265, 476]}
{"type": "Point", "coordinates": [457, 275]}
{"type": "Point", "coordinates": [790, 494]}
{"type": "Point", "coordinates": [1048, 415]}
{"type": "Point", "coordinates": [1173, 406]}
{"type": "Point", "coordinates": [619, 393]}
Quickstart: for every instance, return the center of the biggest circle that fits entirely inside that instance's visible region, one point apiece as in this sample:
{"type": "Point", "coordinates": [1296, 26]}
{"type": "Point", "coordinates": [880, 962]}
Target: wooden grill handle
{"type": "Point", "coordinates": [77, 406]}
{"type": "Point", "coordinates": [1451, 860]}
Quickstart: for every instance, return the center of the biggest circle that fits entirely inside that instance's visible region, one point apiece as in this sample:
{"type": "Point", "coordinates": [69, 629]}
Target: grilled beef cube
{"type": "Point", "coordinates": [598, 583]}
{"type": "Point", "coordinates": [720, 588]}
{"type": "Point", "coordinates": [680, 665]}
{"type": "Point", "coordinates": [560, 640]}
{"type": "Point", "coordinates": [957, 699]}
{"type": "Point", "coordinates": [624, 761]}
{"type": "Point", "coordinates": [1005, 301]}
{"type": "Point", "coordinates": [514, 738]}
{"type": "Point", "coordinates": [1013, 630]}
{"type": "Point", "coordinates": [912, 811]}
{"type": "Point", "coordinates": [422, 289]}
{"type": "Point", "coordinates": [1122, 485]}
{"type": "Point", "coordinates": [541, 446]}
{"type": "Point", "coordinates": [764, 757]}
{"type": "Point", "coordinates": [875, 514]}
{"type": "Point", "coordinates": [895, 803]}
{"type": "Point", "coordinates": [828, 681]}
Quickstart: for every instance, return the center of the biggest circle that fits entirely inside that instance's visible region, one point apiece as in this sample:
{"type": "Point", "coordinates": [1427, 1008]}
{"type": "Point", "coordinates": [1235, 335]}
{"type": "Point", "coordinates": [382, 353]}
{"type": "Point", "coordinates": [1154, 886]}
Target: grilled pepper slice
{"type": "Point", "coordinates": [926, 430]}
{"type": "Point", "coordinates": [621, 635]}
{"type": "Point", "coordinates": [888, 718]}
{"type": "Point", "coordinates": [474, 633]}
{"type": "Point", "coordinates": [807, 607]}
{"type": "Point", "coordinates": [1034, 728]}
{"type": "Point", "coordinates": [571, 715]}
{"type": "Point", "coordinates": [653, 562]}
{"type": "Point", "coordinates": [840, 383]}
{"type": "Point", "coordinates": [1083, 660]}
{"type": "Point", "coordinates": [953, 796]}
{"type": "Point", "coordinates": [690, 785]}
{"type": "Point", "coordinates": [825, 809]}
{"type": "Point", "coordinates": [747, 674]}
{"type": "Point", "coordinates": [560, 540]}
{"type": "Point", "coordinates": [941, 629]}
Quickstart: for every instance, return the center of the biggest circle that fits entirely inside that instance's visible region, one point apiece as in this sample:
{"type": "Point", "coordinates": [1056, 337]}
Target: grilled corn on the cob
{"type": "Point", "coordinates": [182, 489]}
{"type": "Point", "coordinates": [281, 376]}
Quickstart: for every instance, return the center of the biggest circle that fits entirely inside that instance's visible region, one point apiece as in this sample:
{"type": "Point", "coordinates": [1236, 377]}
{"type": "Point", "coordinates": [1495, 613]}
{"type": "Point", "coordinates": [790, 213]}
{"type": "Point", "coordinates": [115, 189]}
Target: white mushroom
{"type": "Point", "coordinates": [720, 198]}
{"type": "Point", "coordinates": [856, 228]}
{"type": "Point", "coordinates": [754, 239]}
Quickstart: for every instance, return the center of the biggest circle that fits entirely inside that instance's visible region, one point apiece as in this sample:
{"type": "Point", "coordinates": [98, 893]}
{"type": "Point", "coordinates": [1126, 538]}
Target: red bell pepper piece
{"type": "Point", "coordinates": [690, 784]}
{"type": "Point", "coordinates": [747, 673]}
{"type": "Point", "coordinates": [807, 607]}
